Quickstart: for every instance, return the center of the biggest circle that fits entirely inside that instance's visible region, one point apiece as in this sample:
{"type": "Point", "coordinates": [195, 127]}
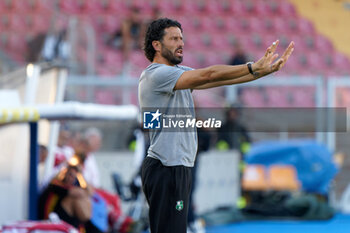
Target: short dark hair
{"type": "Point", "coordinates": [155, 31]}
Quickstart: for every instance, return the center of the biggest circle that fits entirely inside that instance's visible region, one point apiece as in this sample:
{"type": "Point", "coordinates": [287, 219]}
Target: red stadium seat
{"type": "Point", "coordinates": [252, 97]}
{"type": "Point", "coordinates": [292, 67]}
{"type": "Point", "coordinates": [17, 43]}
{"type": "Point", "coordinates": [172, 7]}
{"type": "Point", "coordinates": [262, 9]}
{"type": "Point", "coordinates": [280, 25]}
{"type": "Point", "coordinates": [208, 98]}
{"type": "Point", "coordinates": [257, 25]}
{"type": "Point", "coordinates": [43, 6]}
{"type": "Point", "coordinates": [193, 7]}
{"type": "Point", "coordinates": [323, 44]}
{"type": "Point", "coordinates": [39, 23]}
{"type": "Point", "coordinates": [70, 6]}
{"type": "Point", "coordinates": [276, 97]}
{"type": "Point", "coordinates": [5, 22]}
{"type": "Point", "coordinates": [286, 8]}
{"type": "Point", "coordinates": [111, 23]}
{"type": "Point", "coordinates": [303, 97]}
{"type": "Point", "coordinates": [315, 60]}
{"type": "Point", "coordinates": [111, 56]}
{"type": "Point", "coordinates": [186, 23]}
{"type": "Point", "coordinates": [207, 24]}
{"type": "Point", "coordinates": [234, 25]}
{"type": "Point", "coordinates": [4, 7]}
{"type": "Point", "coordinates": [235, 8]}
{"type": "Point", "coordinates": [268, 39]}
{"type": "Point", "coordinates": [193, 41]}
{"type": "Point", "coordinates": [19, 6]}
{"type": "Point", "coordinates": [305, 27]}
{"type": "Point", "coordinates": [116, 7]}
{"type": "Point", "coordinates": [138, 58]}
{"type": "Point", "coordinates": [300, 43]}
{"type": "Point", "coordinates": [92, 7]}
{"type": "Point", "coordinates": [341, 61]}
{"type": "Point", "coordinates": [211, 57]}
{"type": "Point", "coordinates": [105, 96]}
{"type": "Point", "coordinates": [190, 59]}
{"type": "Point", "coordinates": [147, 7]}
{"type": "Point", "coordinates": [213, 7]}
{"type": "Point", "coordinates": [247, 42]}
{"type": "Point", "coordinates": [220, 42]}
{"type": "Point", "coordinates": [106, 23]}
{"type": "Point", "coordinates": [249, 7]}
{"type": "Point", "coordinates": [18, 23]}
{"type": "Point", "coordinates": [220, 24]}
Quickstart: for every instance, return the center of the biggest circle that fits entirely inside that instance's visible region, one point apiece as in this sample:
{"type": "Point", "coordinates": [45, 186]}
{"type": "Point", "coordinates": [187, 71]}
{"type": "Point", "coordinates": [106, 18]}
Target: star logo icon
{"type": "Point", "coordinates": [156, 115]}
{"type": "Point", "coordinates": [151, 120]}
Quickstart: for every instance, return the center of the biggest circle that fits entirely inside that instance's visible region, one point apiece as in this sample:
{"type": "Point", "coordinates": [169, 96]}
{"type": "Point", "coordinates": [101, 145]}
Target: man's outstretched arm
{"type": "Point", "coordinates": [219, 75]}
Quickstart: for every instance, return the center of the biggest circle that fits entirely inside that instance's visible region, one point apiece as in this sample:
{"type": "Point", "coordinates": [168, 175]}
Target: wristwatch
{"type": "Point", "coordinates": [249, 64]}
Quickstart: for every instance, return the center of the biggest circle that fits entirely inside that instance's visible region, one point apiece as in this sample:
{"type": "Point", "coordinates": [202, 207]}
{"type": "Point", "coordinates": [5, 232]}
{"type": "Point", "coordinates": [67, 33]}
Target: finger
{"type": "Point", "coordinates": [286, 56]}
{"type": "Point", "coordinates": [268, 51]}
{"type": "Point", "coordinates": [278, 64]}
{"type": "Point", "coordinates": [274, 46]}
{"type": "Point", "coordinates": [288, 50]}
{"type": "Point", "coordinates": [271, 50]}
{"type": "Point", "coordinates": [272, 58]}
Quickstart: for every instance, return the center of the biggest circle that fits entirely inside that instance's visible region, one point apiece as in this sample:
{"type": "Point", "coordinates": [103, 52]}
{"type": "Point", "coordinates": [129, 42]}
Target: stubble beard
{"type": "Point", "coordinates": [167, 54]}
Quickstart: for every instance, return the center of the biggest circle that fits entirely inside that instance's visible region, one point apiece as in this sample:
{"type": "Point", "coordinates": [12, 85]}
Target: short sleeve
{"type": "Point", "coordinates": [165, 78]}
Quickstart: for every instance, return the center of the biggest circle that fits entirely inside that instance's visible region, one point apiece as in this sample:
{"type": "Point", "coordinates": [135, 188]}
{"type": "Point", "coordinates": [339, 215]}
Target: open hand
{"type": "Point", "coordinates": [268, 63]}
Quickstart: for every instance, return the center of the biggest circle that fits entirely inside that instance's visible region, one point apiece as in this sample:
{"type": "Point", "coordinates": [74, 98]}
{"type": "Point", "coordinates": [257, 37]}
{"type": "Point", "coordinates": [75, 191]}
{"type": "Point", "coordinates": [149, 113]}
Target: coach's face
{"type": "Point", "coordinates": [172, 45]}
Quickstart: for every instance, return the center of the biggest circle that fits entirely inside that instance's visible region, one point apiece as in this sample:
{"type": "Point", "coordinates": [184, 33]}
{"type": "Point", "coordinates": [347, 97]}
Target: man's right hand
{"type": "Point", "coordinates": [268, 63]}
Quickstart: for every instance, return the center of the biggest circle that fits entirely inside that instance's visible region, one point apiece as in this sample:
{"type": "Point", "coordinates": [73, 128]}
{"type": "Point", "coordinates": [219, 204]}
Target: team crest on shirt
{"type": "Point", "coordinates": [179, 205]}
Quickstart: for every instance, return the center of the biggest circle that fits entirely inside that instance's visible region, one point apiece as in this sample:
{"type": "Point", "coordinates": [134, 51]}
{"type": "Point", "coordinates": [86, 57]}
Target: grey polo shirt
{"type": "Point", "coordinates": [156, 90]}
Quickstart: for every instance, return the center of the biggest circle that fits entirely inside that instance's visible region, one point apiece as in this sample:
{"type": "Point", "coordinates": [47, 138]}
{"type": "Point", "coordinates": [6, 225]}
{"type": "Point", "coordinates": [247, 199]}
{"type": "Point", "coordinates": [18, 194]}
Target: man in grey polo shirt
{"type": "Point", "coordinates": [166, 171]}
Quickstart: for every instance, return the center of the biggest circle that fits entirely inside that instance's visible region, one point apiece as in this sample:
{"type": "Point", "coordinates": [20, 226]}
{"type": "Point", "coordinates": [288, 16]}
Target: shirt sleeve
{"type": "Point", "coordinates": [165, 78]}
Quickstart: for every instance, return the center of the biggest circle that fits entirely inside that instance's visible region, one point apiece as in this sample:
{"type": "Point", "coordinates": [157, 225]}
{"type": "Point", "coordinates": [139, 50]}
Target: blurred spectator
{"type": "Point", "coordinates": [56, 46]}
{"type": "Point", "coordinates": [84, 147]}
{"type": "Point", "coordinates": [63, 151]}
{"type": "Point", "coordinates": [93, 137]}
{"type": "Point", "coordinates": [91, 142]}
{"type": "Point", "coordinates": [35, 46]}
{"type": "Point", "coordinates": [43, 152]}
{"type": "Point", "coordinates": [68, 196]}
{"type": "Point", "coordinates": [233, 134]}
{"type": "Point", "coordinates": [131, 34]}
{"type": "Point", "coordinates": [239, 57]}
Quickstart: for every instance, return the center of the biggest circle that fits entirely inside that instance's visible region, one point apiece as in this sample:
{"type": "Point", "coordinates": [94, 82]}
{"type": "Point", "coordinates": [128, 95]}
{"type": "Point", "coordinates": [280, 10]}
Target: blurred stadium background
{"type": "Point", "coordinates": [317, 74]}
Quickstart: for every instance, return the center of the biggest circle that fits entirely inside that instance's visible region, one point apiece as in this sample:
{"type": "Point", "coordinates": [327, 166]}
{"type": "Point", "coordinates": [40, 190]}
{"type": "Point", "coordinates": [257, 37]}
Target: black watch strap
{"type": "Point", "coordinates": [249, 64]}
